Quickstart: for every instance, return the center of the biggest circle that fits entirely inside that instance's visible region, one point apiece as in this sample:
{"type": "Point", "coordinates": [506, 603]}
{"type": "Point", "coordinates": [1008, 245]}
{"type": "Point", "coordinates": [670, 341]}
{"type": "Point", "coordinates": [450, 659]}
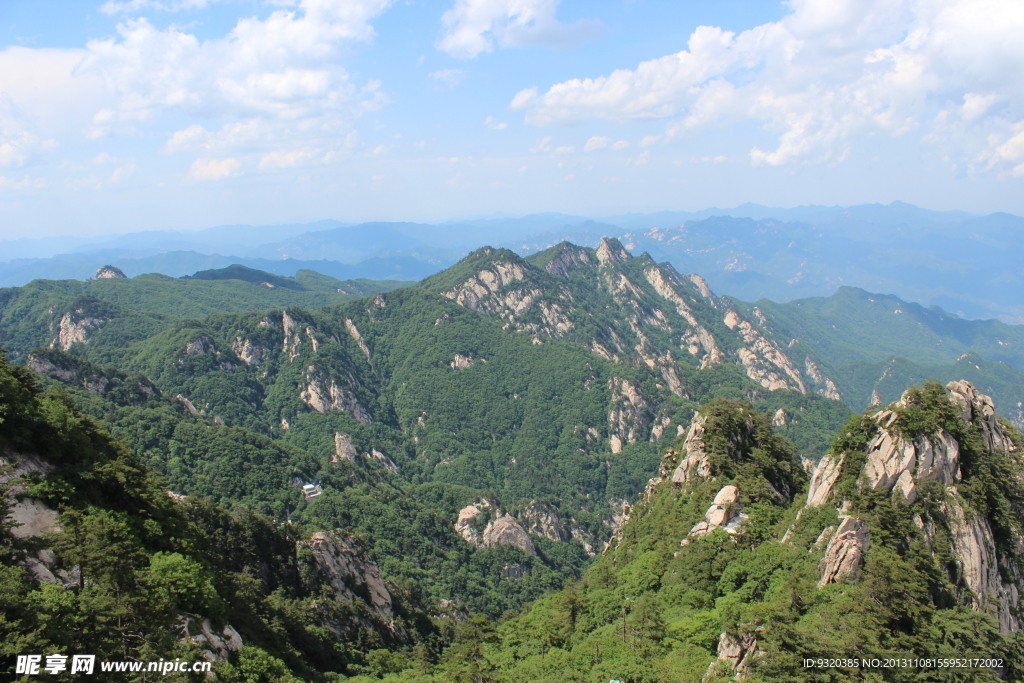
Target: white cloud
{"type": "Point", "coordinates": [495, 124]}
{"type": "Point", "coordinates": [472, 27]}
{"type": "Point", "coordinates": [214, 169]}
{"type": "Point", "coordinates": [19, 143]}
{"type": "Point", "coordinates": [595, 143]}
{"type": "Point", "coordinates": [620, 145]}
{"type": "Point", "coordinates": [270, 86]}
{"type": "Point", "coordinates": [449, 78]}
{"type": "Point", "coordinates": [135, 6]}
{"type": "Point", "coordinates": [827, 73]}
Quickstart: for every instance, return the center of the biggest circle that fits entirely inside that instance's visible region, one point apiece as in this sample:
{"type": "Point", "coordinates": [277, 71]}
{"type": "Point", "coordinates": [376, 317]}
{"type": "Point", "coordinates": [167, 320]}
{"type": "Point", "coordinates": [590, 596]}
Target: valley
{"type": "Point", "coordinates": [440, 456]}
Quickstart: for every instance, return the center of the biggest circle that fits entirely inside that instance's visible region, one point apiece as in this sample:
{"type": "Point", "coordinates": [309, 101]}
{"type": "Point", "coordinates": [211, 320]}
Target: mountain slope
{"type": "Point", "coordinates": [96, 557]}
{"type": "Point", "coordinates": [906, 545]}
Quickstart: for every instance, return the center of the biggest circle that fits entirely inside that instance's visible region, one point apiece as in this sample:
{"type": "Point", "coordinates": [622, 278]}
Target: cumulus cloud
{"type": "Point", "coordinates": [135, 6]}
{"type": "Point", "coordinates": [495, 124]}
{"type": "Point", "coordinates": [272, 88]}
{"type": "Point", "coordinates": [472, 27]}
{"type": "Point", "coordinates": [827, 72]}
{"type": "Point", "coordinates": [214, 169]}
{"type": "Point", "coordinates": [449, 78]}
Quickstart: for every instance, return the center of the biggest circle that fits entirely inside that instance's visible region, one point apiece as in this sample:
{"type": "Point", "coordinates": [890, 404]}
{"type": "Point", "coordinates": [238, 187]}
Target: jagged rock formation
{"type": "Point", "coordinates": [845, 551]}
{"type": "Point", "coordinates": [323, 394]}
{"type": "Point", "coordinates": [501, 528]}
{"type": "Point", "coordinates": [76, 327]}
{"type": "Point", "coordinates": [350, 573]}
{"type": "Point", "coordinates": [629, 416]}
{"type": "Point", "coordinates": [110, 272]}
{"type": "Point", "coordinates": [215, 645]}
{"type": "Point", "coordinates": [695, 463]}
{"type": "Point", "coordinates": [652, 300]}
{"type": "Point", "coordinates": [343, 448]}
{"type": "Point", "coordinates": [898, 462]}
{"type": "Point", "coordinates": [737, 652]}
{"type": "Point", "coordinates": [724, 514]}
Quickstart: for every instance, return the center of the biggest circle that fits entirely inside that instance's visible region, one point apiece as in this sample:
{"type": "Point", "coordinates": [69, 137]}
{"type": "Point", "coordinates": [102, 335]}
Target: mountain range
{"type": "Point", "coordinates": [414, 461]}
{"type": "Point", "coordinates": [960, 262]}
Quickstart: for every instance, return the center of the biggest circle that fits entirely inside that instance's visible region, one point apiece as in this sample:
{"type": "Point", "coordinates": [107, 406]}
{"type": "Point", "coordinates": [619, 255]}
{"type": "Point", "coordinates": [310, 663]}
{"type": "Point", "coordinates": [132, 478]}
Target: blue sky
{"type": "Point", "coordinates": [123, 115]}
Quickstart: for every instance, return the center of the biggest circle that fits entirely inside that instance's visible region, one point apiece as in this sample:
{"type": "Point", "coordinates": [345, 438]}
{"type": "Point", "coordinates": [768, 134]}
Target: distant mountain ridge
{"type": "Point", "coordinates": [961, 262]}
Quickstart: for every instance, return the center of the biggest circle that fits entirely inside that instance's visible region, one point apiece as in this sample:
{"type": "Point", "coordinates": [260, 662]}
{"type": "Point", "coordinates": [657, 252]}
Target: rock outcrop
{"type": "Point", "coordinates": [110, 272]}
{"type": "Point", "coordinates": [75, 327]}
{"type": "Point", "coordinates": [724, 514]}
{"type": "Point", "coordinates": [629, 416]}
{"type": "Point", "coordinates": [323, 394]}
{"type": "Point", "coordinates": [845, 551]}
{"type": "Point", "coordinates": [348, 571]}
{"type": "Point", "coordinates": [695, 463]}
{"type": "Point", "coordinates": [216, 645]}
{"type": "Point", "coordinates": [501, 528]}
{"type": "Point", "coordinates": [737, 652]}
{"type": "Point", "coordinates": [898, 463]}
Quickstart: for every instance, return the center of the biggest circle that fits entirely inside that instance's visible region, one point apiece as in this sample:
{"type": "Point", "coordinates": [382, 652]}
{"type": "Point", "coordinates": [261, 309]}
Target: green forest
{"type": "Point", "coordinates": [484, 476]}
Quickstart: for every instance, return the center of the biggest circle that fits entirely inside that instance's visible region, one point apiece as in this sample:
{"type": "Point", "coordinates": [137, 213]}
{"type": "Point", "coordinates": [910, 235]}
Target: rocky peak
{"type": "Point", "coordinates": [978, 409]}
{"type": "Point", "coordinates": [898, 462]}
{"type": "Point", "coordinates": [610, 250]}
{"type": "Point", "coordinates": [107, 272]}
{"type": "Point", "coordinates": [568, 258]}
{"type": "Point", "coordinates": [695, 464]}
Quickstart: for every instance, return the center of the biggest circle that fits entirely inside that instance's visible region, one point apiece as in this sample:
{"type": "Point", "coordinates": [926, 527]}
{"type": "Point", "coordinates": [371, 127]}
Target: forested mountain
{"type": "Point", "coordinates": [959, 261]}
{"type": "Point", "coordinates": [97, 557]}
{"type": "Point", "coordinates": [899, 560]}
{"type": "Point", "coordinates": [477, 437]}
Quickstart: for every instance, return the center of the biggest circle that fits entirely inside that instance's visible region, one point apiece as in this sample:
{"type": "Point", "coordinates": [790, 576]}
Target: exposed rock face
{"type": "Point", "coordinates": [724, 514]}
{"type": "Point", "coordinates": [739, 651]}
{"type": "Point", "coordinates": [506, 530]}
{"type": "Point", "coordinates": [188, 405]}
{"type": "Point", "coordinates": [845, 551]}
{"type": "Point", "coordinates": [629, 415]}
{"type": "Point", "coordinates": [249, 353]}
{"type": "Point", "coordinates": [33, 519]}
{"type": "Point", "coordinates": [353, 332]}
{"type": "Point", "coordinates": [490, 292]}
{"type": "Point", "coordinates": [461, 362]}
{"type": "Point", "coordinates": [824, 478]}
{"type": "Point", "coordinates": [216, 645]}
{"type": "Point", "coordinates": [611, 251]}
{"type": "Point", "coordinates": [763, 361]}
{"type": "Point", "coordinates": [347, 569]}
{"type": "Point", "coordinates": [698, 338]}
{"type": "Point", "coordinates": [291, 340]}
{"type": "Point", "coordinates": [343, 448]}
{"type": "Point", "coordinates": [893, 463]}
{"type": "Point", "coordinates": [501, 529]}
{"type": "Point", "coordinates": [979, 409]}
{"type": "Point", "coordinates": [569, 259]}
{"type": "Point", "coordinates": [323, 394]}
{"type": "Point", "coordinates": [75, 328]}
{"type": "Point", "coordinates": [695, 464]}
{"type": "Point", "coordinates": [381, 459]}
{"type": "Point", "coordinates": [897, 464]}
{"type": "Point", "coordinates": [199, 346]}
{"type": "Point", "coordinates": [994, 585]}
{"type": "Point", "coordinates": [543, 520]}
{"type": "Point", "coordinates": [780, 419]}
{"type": "Point", "coordinates": [464, 522]}
{"type": "Point", "coordinates": [826, 387]}
{"type": "Point", "coordinates": [108, 272]}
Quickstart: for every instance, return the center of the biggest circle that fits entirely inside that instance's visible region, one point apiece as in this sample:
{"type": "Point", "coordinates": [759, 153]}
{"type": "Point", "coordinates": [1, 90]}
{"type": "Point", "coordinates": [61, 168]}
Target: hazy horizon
{"type": "Point", "coordinates": [125, 115]}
